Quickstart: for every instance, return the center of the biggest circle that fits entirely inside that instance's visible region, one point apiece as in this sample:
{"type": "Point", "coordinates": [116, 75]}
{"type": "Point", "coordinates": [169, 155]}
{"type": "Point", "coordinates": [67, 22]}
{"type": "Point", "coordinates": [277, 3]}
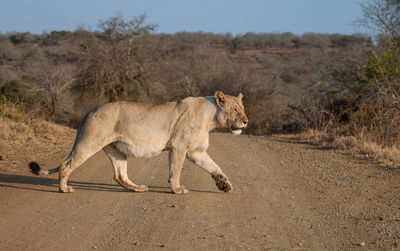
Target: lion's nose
{"type": "Point", "coordinates": [245, 122]}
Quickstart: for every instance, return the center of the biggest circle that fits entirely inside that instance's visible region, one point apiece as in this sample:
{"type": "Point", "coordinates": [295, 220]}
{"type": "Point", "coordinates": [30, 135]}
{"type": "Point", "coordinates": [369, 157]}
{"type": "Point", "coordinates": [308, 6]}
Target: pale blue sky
{"type": "Point", "coordinates": [218, 16]}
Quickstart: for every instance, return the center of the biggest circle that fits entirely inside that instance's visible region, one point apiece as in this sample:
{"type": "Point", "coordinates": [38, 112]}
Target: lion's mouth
{"type": "Point", "coordinates": [235, 130]}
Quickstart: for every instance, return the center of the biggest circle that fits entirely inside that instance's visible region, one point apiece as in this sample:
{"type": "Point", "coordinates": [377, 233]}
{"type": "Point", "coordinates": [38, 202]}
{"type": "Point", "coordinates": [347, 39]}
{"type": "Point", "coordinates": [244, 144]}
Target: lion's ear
{"type": "Point", "coordinates": [240, 96]}
{"type": "Point", "coordinates": [220, 98]}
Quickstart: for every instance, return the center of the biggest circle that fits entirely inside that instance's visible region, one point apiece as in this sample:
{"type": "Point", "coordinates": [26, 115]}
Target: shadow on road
{"type": "Point", "coordinates": [160, 189]}
{"type": "Point", "coordinates": [23, 182]}
{"type": "Point", "coordinates": [20, 182]}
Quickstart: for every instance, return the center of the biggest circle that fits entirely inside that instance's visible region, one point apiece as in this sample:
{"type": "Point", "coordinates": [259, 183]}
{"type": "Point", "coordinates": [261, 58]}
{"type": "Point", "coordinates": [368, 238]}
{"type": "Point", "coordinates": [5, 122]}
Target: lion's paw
{"type": "Point", "coordinates": [139, 189]}
{"type": "Point", "coordinates": [67, 189]}
{"type": "Point", "coordinates": [180, 190]}
{"type": "Point", "coordinates": [222, 183]}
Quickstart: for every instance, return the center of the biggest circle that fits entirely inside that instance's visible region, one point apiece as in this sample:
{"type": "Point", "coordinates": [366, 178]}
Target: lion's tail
{"type": "Point", "coordinates": [36, 169]}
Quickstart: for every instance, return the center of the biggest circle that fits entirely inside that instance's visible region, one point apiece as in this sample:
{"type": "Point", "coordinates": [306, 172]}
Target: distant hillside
{"type": "Point", "coordinates": [285, 78]}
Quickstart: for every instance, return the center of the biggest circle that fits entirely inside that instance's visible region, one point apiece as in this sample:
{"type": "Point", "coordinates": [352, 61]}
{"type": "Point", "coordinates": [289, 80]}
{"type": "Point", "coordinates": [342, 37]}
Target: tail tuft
{"type": "Point", "coordinates": [35, 168]}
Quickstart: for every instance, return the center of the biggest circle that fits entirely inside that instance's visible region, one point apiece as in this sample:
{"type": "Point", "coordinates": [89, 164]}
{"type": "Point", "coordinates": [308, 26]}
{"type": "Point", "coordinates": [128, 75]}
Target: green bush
{"type": "Point", "coordinates": [9, 111]}
{"type": "Point", "coordinates": [11, 89]}
{"type": "Point", "coordinates": [3, 101]}
{"type": "Point", "coordinates": [377, 104]}
{"type": "Point", "coordinates": [384, 67]}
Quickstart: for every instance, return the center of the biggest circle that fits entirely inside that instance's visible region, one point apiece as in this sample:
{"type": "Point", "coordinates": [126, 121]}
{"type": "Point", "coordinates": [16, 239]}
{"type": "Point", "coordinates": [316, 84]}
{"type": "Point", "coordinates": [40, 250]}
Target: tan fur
{"type": "Point", "coordinates": [125, 129]}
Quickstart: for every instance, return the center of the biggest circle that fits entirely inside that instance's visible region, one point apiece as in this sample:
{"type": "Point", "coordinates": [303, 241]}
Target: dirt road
{"type": "Point", "coordinates": [287, 196]}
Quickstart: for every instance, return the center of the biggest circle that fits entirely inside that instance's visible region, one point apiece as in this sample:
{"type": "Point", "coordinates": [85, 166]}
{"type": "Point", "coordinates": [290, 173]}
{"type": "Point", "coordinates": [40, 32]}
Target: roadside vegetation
{"type": "Point", "coordinates": [339, 89]}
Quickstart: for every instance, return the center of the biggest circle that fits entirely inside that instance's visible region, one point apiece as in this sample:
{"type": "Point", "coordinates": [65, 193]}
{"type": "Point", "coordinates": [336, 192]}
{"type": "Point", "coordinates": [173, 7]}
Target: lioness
{"type": "Point", "coordinates": [125, 129]}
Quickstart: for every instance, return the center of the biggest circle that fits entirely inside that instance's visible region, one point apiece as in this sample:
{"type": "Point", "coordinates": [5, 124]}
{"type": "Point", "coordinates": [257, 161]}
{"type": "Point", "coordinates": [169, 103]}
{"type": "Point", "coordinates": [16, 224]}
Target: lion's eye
{"type": "Point", "coordinates": [235, 111]}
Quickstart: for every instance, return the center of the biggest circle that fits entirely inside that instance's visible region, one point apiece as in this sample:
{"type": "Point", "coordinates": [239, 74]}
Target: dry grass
{"type": "Point", "coordinates": [317, 136]}
{"type": "Point", "coordinates": [356, 146]}
{"type": "Point", "coordinates": [19, 124]}
{"type": "Point", "coordinates": [25, 137]}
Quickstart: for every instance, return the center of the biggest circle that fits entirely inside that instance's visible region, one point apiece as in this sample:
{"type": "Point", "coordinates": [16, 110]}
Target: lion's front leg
{"type": "Point", "coordinates": [176, 159]}
{"type": "Point", "coordinates": [203, 160]}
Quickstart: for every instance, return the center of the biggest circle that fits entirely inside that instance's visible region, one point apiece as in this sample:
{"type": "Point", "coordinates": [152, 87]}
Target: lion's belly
{"type": "Point", "coordinates": [139, 150]}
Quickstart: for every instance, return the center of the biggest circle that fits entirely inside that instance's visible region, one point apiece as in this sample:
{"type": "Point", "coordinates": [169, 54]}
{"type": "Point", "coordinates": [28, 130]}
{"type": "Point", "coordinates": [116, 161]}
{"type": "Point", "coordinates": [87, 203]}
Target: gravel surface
{"type": "Point", "coordinates": [288, 195]}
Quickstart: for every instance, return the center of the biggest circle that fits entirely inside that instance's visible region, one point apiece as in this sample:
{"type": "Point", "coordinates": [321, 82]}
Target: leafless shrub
{"type": "Point", "coordinates": [382, 17]}
{"type": "Point", "coordinates": [115, 63]}
{"type": "Point", "coordinates": [7, 52]}
{"type": "Point", "coordinates": [51, 87]}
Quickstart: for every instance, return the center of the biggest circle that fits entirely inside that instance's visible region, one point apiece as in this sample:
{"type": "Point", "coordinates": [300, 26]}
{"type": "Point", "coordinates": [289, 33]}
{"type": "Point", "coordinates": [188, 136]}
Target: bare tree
{"type": "Point", "coordinates": [50, 85]}
{"type": "Point", "coordinates": [113, 62]}
{"type": "Point", "coordinates": [116, 27]}
{"type": "Point", "coordinates": [381, 17]}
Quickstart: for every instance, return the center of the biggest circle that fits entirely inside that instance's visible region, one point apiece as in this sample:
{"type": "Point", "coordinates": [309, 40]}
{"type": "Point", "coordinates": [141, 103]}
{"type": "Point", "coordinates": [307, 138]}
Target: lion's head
{"type": "Point", "coordinates": [231, 113]}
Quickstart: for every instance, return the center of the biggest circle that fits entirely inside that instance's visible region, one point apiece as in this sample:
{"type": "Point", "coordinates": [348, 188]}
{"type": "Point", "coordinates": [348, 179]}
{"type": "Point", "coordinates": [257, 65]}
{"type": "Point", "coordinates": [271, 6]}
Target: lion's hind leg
{"type": "Point", "coordinates": [119, 162]}
{"type": "Point", "coordinates": [63, 176]}
{"type": "Point", "coordinates": [79, 154]}
{"type": "Point", "coordinates": [70, 164]}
